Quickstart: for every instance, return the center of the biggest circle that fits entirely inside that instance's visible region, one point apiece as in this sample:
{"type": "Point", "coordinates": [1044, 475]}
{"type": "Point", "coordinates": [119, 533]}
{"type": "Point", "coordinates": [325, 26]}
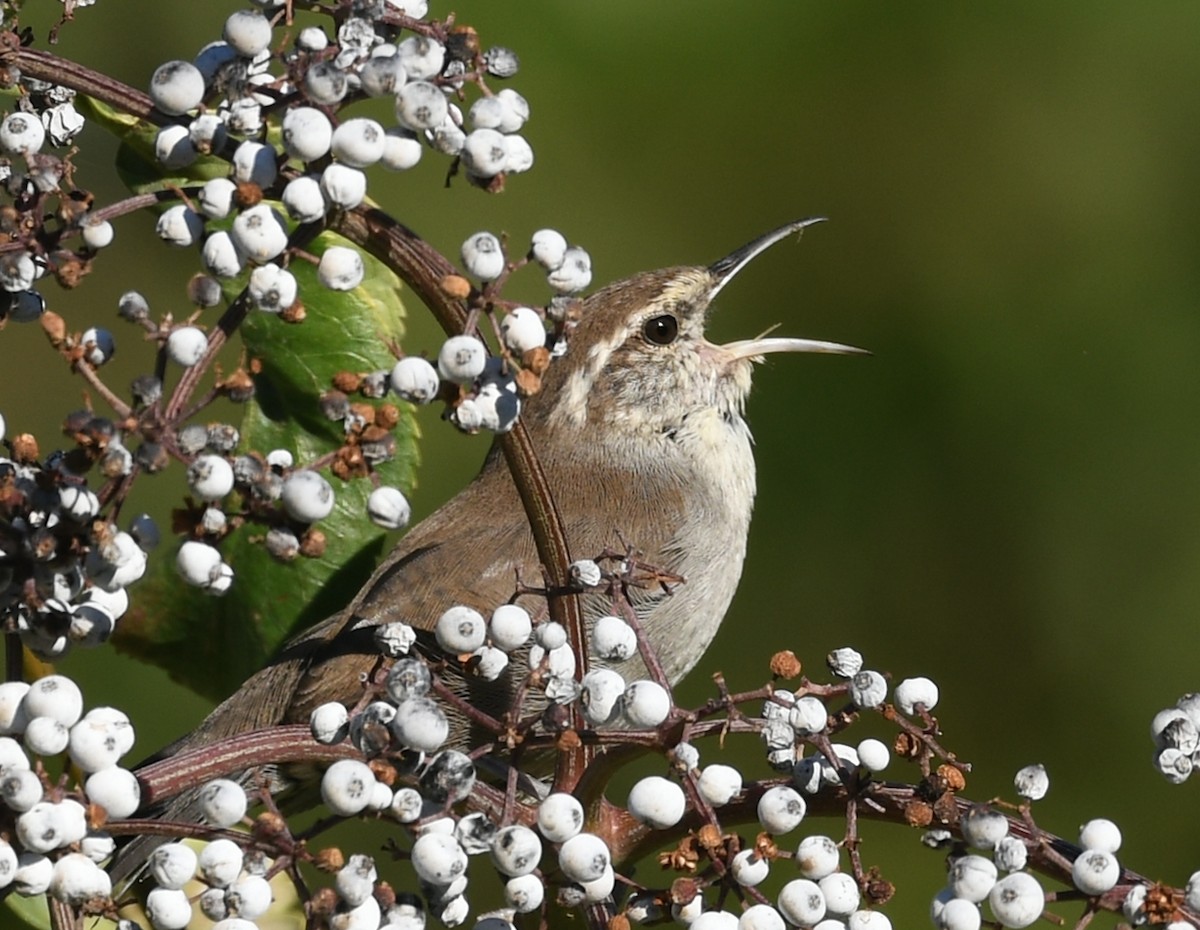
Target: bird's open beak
{"type": "Point", "coordinates": [725, 269]}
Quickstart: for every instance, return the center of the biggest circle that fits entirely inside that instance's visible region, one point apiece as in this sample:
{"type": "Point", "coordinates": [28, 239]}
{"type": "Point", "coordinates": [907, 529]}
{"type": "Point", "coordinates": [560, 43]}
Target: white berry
{"type": "Point", "coordinates": [210, 477]}
{"type": "Point", "coordinates": [346, 787]}
{"type": "Point", "coordinates": [248, 32]}
{"type": "Point", "coordinates": [56, 697]}
{"type": "Point", "coordinates": [523, 330]}
{"type": "Point", "coordinates": [186, 346]}
{"type": "Point", "coordinates": [483, 256]}
{"type": "Point", "coordinates": [646, 703]}
{"type": "Point", "coordinates": [613, 639]}
{"type": "Point", "coordinates": [460, 629]}
{"type": "Point", "coordinates": [720, 784]}
{"type": "Point", "coordinates": [180, 225]}
{"type": "Point", "coordinates": [462, 359]}
{"type": "Point", "coordinates": [438, 858]}
{"type": "Point", "coordinates": [222, 802]}
{"type": "Point", "coordinates": [388, 507]}
{"type": "Point", "coordinates": [602, 692]}
{"type": "Point", "coordinates": [307, 496]}
{"type": "Point", "coordinates": [340, 268]}
{"type": "Point", "coordinates": [584, 857]}
{"type": "Point", "coordinates": [1017, 900]}
{"type": "Point", "coordinates": [657, 802]}
{"type": "Point", "coordinates": [343, 186]}
{"type": "Point", "coordinates": [914, 691]}
{"type": "Point", "coordinates": [259, 233]}
{"type": "Point", "coordinates": [176, 87]}
{"type": "Point", "coordinates": [516, 850]}
{"type": "Point", "coordinates": [510, 627]}
{"type": "Point", "coordinates": [560, 817]}
{"type": "Point", "coordinates": [358, 142]}
{"type": "Point", "coordinates": [781, 809]}
{"type": "Point", "coordinates": [816, 857]}
{"type": "Point", "coordinates": [304, 200]}
{"type": "Point", "coordinates": [307, 133]}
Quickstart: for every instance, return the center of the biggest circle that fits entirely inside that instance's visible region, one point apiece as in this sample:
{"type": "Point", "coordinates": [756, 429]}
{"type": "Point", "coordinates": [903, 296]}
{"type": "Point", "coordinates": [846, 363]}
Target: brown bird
{"type": "Point", "coordinates": [639, 431]}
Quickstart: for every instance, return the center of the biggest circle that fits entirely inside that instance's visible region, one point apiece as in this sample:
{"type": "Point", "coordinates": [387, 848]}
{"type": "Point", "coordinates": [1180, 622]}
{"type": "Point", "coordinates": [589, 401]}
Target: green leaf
{"type": "Point", "coordinates": [33, 912]}
{"type": "Point", "coordinates": [212, 644]}
{"type": "Point", "coordinates": [136, 164]}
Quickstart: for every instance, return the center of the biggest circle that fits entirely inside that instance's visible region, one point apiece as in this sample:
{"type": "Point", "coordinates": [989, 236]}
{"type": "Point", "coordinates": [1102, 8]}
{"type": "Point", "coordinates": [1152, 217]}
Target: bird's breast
{"type": "Point", "coordinates": [689, 515]}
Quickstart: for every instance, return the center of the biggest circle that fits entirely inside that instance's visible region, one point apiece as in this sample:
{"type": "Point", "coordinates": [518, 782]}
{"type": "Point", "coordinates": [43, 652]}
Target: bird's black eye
{"type": "Point", "coordinates": [661, 330]}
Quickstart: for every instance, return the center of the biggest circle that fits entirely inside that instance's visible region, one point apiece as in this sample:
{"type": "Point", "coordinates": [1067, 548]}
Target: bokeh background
{"type": "Point", "coordinates": [1005, 497]}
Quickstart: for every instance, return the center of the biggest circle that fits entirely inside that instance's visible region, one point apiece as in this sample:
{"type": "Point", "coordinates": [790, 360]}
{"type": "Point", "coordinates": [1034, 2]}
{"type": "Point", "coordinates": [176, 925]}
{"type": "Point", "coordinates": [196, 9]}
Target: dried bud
{"type": "Point", "coordinates": [684, 890]}
{"type": "Point", "coordinates": [953, 776]}
{"type": "Point", "coordinates": [710, 838]}
{"type": "Point", "coordinates": [878, 891]}
{"type": "Point", "coordinates": [329, 859]}
{"type": "Point", "coordinates": [25, 449]}
{"type": "Point", "coordinates": [374, 433]}
{"type": "Point", "coordinates": [238, 387]}
{"type": "Point", "coordinates": [784, 664]}
{"type": "Point", "coordinates": [385, 896]}
{"type": "Point", "coordinates": [269, 825]}
{"type": "Point", "coordinates": [97, 817]}
{"type": "Point", "coordinates": [293, 314]}
{"type": "Point", "coordinates": [568, 741]}
{"type": "Point", "coordinates": [74, 207]}
{"type": "Point", "coordinates": [387, 416]}
{"type": "Point", "coordinates": [347, 382]}
{"type": "Point", "coordinates": [918, 814]}
{"type": "Point", "coordinates": [455, 286]}
{"type": "Point", "coordinates": [54, 326]}
{"type": "Point", "coordinates": [536, 360]}
{"type": "Point", "coordinates": [69, 270]}
{"type": "Point", "coordinates": [766, 847]}
{"type": "Point", "coordinates": [247, 194]}
{"type": "Point", "coordinates": [383, 771]}
{"type": "Point", "coordinates": [364, 413]}
{"type": "Point", "coordinates": [907, 746]}
{"type": "Point", "coordinates": [1162, 901]}
{"type": "Point", "coordinates": [312, 544]}
{"type": "Point", "coordinates": [463, 43]}
{"type": "Point", "coordinates": [528, 383]}
{"type": "Point", "coordinates": [945, 808]}
{"type": "Point", "coordinates": [323, 903]}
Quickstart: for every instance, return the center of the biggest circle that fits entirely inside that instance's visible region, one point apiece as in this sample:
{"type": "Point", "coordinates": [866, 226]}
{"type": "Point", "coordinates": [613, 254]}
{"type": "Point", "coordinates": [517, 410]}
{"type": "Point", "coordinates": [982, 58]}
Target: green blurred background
{"type": "Point", "coordinates": [1005, 496]}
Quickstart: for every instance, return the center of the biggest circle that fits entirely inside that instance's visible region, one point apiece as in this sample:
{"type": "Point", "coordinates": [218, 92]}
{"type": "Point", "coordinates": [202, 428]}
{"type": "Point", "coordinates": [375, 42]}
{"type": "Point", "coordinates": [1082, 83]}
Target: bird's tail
{"type": "Point", "coordinates": [257, 704]}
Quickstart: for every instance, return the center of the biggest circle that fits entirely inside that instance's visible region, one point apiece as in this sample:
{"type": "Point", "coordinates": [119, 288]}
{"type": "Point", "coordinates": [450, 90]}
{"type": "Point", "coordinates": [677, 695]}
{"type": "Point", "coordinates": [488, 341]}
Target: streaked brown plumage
{"type": "Point", "coordinates": [639, 431]}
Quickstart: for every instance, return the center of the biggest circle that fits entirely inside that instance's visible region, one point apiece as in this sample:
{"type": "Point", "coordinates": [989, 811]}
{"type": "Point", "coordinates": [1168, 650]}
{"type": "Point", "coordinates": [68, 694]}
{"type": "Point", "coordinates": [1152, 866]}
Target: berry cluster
{"type": "Point", "coordinates": [267, 127]}
{"type": "Point", "coordinates": [260, 157]}
{"type": "Point", "coordinates": [1176, 732]}
{"type": "Point", "coordinates": [56, 841]}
